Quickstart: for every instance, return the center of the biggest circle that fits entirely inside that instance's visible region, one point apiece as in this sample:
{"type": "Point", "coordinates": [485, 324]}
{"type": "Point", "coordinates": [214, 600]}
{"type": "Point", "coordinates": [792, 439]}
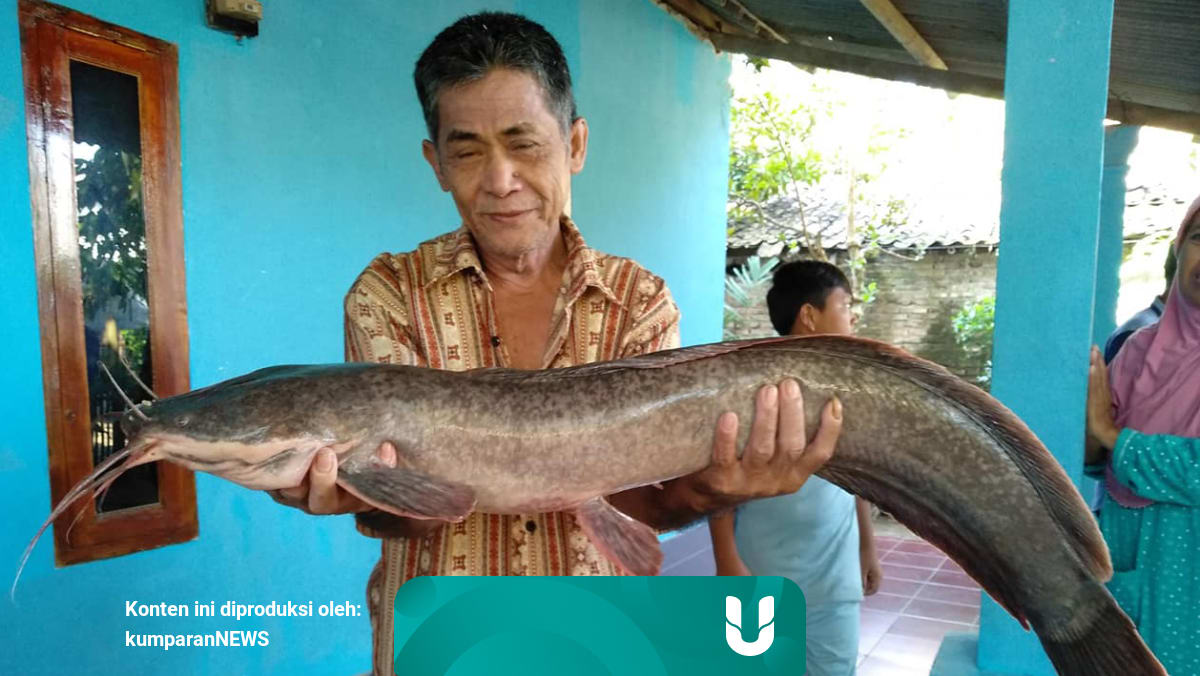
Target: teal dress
{"type": "Point", "coordinates": [1156, 549]}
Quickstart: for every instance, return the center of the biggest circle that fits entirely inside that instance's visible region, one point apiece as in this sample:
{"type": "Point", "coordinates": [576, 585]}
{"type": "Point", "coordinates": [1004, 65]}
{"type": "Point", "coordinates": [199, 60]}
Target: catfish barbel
{"type": "Point", "coordinates": [947, 460]}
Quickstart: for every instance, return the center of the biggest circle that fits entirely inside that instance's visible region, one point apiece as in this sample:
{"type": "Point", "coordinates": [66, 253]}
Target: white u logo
{"type": "Point", "coordinates": [733, 626]}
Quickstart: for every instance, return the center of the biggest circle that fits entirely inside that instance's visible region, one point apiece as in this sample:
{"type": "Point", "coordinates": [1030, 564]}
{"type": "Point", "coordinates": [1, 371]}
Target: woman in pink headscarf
{"type": "Point", "coordinates": [1144, 439]}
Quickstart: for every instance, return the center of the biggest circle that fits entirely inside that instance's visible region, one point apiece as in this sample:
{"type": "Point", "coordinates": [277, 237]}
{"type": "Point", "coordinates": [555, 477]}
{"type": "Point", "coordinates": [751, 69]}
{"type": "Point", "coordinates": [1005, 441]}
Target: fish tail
{"type": "Point", "coordinates": [1111, 645]}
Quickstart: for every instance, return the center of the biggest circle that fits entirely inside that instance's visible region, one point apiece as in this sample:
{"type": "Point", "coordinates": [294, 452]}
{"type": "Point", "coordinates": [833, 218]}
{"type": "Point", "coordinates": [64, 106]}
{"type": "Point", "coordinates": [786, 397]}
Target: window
{"type": "Point", "coordinates": [103, 125]}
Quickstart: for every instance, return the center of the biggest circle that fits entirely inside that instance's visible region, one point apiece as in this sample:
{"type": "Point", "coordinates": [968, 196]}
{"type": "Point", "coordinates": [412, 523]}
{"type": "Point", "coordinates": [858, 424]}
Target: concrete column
{"type": "Point", "coordinates": [1119, 142]}
{"type": "Point", "coordinates": [1056, 86]}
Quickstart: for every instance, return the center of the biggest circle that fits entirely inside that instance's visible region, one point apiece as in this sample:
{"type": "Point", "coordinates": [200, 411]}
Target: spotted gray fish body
{"type": "Point", "coordinates": [947, 460]}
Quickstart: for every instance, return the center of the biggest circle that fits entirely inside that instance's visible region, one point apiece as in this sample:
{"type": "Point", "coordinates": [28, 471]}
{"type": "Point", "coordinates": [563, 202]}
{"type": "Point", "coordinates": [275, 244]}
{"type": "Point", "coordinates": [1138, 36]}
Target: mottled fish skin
{"type": "Point", "coordinates": [950, 462]}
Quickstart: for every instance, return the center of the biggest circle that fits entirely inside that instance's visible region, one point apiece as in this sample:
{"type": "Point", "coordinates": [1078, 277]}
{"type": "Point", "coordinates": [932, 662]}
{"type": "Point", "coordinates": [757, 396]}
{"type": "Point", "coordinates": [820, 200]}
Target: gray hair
{"type": "Point", "coordinates": [474, 45]}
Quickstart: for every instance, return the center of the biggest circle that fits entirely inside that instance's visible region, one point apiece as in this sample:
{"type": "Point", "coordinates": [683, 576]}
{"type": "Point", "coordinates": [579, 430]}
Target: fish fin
{"type": "Point", "coordinates": [1058, 494]}
{"type": "Point", "coordinates": [406, 492]}
{"type": "Point", "coordinates": [1110, 645]}
{"type": "Point", "coordinates": [989, 571]}
{"type": "Point", "coordinates": [626, 541]}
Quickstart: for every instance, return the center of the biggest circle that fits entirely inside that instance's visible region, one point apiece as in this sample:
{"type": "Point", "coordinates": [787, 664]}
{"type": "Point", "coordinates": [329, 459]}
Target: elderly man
{"type": "Point", "coordinates": [516, 286]}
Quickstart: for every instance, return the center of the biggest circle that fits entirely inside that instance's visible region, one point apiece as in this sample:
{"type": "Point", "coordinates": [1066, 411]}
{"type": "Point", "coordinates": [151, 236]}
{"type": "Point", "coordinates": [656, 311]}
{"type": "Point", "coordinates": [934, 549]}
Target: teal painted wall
{"type": "Point", "coordinates": [301, 162]}
{"type": "Point", "coordinates": [1055, 89]}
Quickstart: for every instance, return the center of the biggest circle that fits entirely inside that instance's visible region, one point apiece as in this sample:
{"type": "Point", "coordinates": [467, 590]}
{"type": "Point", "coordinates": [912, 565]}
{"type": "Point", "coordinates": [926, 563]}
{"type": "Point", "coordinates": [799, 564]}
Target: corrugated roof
{"type": "Point", "coordinates": [1150, 211]}
{"type": "Point", "coordinates": [1155, 59]}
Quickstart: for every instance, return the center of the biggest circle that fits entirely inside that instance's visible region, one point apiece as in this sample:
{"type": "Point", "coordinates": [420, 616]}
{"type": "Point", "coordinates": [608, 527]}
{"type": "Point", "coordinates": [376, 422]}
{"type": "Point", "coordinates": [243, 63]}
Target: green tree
{"type": "Point", "coordinates": [973, 325]}
{"type": "Point", "coordinates": [742, 290]}
{"type": "Point", "coordinates": [770, 157]}
{"type": "Point", "coordinates": [112, 230]}
{"type": "Point", "coordinates": [112, 257]}
{"type": "Point", "coordinates": [773, 156]}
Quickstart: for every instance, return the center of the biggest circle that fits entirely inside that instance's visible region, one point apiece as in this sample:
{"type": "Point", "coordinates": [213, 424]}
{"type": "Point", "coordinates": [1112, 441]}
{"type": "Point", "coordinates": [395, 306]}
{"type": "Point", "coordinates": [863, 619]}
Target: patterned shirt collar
{"type": "Point", "coordinates": [457, 255]}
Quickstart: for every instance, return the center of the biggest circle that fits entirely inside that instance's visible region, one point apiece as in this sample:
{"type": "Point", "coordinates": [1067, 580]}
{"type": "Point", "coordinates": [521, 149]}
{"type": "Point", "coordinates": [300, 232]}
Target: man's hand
{"type": "Point", "coordinates": [319, 492]}
{"type": "Point", "coordinates": [776, 459]}
{"type": "Point", "coordinates": [1101, 428]}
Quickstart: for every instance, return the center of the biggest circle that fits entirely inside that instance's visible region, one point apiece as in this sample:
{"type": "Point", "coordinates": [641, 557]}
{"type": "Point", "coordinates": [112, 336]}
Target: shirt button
{"type": "Point", "coordinates": [530, 526]}
{"type": "Point", "coordinates": [495, 341]}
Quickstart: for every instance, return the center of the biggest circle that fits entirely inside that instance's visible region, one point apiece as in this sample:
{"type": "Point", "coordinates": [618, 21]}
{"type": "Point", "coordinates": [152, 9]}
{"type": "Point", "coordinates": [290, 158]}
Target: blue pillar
{"type": "Point", "coordinates": [1119, 142]}
{"type": "Point", "coordinates": [1056, 86]}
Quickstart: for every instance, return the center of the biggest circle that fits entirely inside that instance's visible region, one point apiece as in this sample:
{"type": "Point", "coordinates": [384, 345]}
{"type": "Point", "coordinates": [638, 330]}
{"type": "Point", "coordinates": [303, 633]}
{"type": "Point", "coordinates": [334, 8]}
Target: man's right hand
{"type": "Point", "coordinates": [319, 492]}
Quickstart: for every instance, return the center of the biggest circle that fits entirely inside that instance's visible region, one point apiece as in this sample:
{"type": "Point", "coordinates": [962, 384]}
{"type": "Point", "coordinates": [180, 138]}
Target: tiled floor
{"type": "Point", "coordinates": [923, 597]}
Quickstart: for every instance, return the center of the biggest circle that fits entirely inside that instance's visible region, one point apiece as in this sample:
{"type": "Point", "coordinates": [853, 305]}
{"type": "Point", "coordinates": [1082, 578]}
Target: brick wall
{"type": "Point", "coordinates": [914, 305]}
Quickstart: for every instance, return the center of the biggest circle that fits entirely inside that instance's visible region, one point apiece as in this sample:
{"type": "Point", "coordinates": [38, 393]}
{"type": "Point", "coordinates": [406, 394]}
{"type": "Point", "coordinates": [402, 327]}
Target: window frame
{"type": "Point", "coordinates": [51, 37]}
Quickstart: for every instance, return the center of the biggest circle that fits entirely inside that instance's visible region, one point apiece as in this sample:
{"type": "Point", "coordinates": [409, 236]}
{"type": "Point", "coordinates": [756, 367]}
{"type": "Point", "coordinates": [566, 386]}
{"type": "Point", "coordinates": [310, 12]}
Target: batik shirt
{"type": "Point", "coordinates": [434, 307]}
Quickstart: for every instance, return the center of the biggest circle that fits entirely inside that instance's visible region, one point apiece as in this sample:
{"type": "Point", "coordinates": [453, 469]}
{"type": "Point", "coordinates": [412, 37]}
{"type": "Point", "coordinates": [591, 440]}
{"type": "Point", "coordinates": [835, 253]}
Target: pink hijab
{"type": "Point", "coordinates": [1155, 378]}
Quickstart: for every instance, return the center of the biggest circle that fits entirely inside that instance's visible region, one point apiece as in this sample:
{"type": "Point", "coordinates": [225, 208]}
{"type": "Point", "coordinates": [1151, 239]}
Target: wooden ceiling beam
{"type": "Point", "coordinates": [699, 19]}
{"type": "Point", "coordinates": [889, 70]}
{"type": "Point", "coordinates": [760, 25]}
{"type": "Point", "coordinates": [1128, 112]}
{"type": "Point", "coordinates": [905, 33]}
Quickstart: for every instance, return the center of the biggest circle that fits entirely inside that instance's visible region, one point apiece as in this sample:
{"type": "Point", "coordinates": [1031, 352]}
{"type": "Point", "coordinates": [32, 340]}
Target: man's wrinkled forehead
{"type": "Point", "coordinates": [531, 112]}
{"type": "Point", "coordinates": [514, 131]}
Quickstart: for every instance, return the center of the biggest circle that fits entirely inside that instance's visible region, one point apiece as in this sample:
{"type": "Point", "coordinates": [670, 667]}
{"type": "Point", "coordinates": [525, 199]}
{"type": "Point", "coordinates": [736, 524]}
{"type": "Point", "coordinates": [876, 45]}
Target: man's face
{"type": "Point", "coordinates": [837, 316]}
{"type": "Point", "coordinates": [501, 154]}
{"type": "Point", "coordinates": [1187, 273]}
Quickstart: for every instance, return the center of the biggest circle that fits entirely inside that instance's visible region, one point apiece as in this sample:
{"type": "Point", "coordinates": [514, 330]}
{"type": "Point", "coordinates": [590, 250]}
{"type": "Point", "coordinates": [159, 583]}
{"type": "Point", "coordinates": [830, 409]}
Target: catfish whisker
{"type": "Point", "coordinates": [121, 392]}
{"type": "Point", "coordinates": [132, 374]}
{"type": "Point", "coordinates": [99, 475]}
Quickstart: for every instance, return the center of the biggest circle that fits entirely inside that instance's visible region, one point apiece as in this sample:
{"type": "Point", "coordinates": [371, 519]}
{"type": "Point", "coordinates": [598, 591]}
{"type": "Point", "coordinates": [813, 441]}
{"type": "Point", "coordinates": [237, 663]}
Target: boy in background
{"type": "Point", "coordinates": [820, 536]}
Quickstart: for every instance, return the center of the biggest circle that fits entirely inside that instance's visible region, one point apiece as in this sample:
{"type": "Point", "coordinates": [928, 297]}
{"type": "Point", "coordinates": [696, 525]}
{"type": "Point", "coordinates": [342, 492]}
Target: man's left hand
{"type": "Point", "coordinates": [776, 459]}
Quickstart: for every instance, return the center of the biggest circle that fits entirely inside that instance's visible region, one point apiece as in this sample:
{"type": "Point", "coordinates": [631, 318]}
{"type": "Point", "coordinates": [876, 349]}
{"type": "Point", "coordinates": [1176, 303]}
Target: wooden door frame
{"type": "Point", "coordinates": [51, 37]}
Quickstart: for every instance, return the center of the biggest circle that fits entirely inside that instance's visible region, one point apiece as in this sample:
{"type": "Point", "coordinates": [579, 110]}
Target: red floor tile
{"type": "Point", "coordinates": [918, 547]}
{"type": "Point", "coordinates": [916, 627]}
{"type": "Point", "coordinates": [916, 560]}
{"type": "Point", "coordinates": [937, 592]}
{"type": "Point", "coordinates": [953, 578]}
{"type": "Point", "coordinates": [936, 610]}
{"type": "Point", "coordinates": [873, 625]}
{"type": "Point", "coordinates": [923, 597]}
{"type": "Point", "coordinates": [886, 541]}
{"type": "Point", "coordinates": [901, 587]}
{"type": "Point", "coordinates": [907, 651]}
{"type": "Point", "coordinates": [896, 572]}
{"type": "Point", "coordinates": [951, 566]}
{"type": "Point", "coordinates": [891, 603]}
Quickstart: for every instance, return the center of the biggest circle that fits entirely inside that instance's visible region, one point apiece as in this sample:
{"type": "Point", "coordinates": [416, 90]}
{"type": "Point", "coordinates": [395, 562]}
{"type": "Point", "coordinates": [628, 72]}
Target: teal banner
{"type": "Point", "coordinates": [588, 626]}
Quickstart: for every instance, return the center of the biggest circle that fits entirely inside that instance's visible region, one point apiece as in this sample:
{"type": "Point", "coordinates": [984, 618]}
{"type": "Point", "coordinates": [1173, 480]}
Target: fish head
{"type": "Point", "coordinates": [189, 416]}
{"type": "Point", "coordinates": [227, 434]}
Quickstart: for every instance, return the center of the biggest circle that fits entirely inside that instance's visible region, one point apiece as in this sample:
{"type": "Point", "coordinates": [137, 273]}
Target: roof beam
{"type": "Point", "coordinates": [699, 19]}
{"type": "Point", "coordinates": [904, 32]}
{"type": "Point", "coordinates": [760, 25]}
{"type": "Point", "coordinates": [956, 81]}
